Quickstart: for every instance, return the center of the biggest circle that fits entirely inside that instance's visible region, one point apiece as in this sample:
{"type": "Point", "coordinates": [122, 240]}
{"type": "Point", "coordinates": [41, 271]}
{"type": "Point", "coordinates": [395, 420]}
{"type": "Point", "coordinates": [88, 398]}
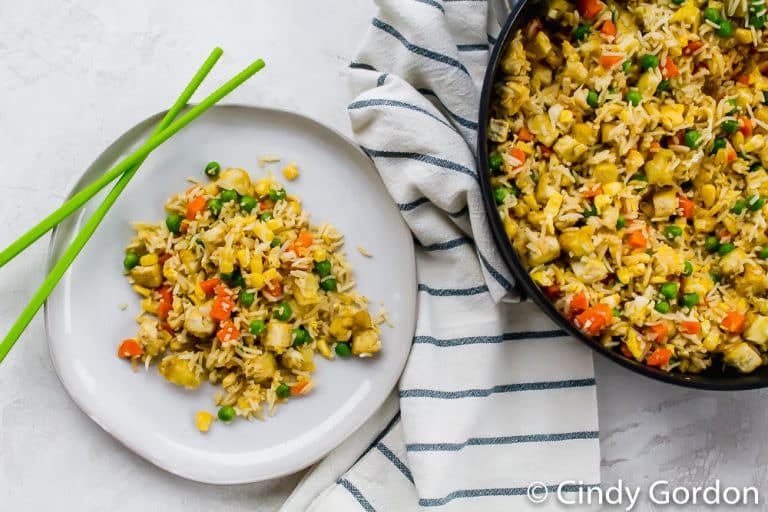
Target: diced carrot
{"type": "Point", "coordinates": [590, 321]}
{"type": "Point", "coordinates": [734, 322]}
{"type": "Point", "coordinates": [625, 350]}
{"type": "Point", "coordinates": [552, 291]}
{"type": "Point", "coordinates": [579, 303]}
{"type": "Point", "coordinates": [222, 291]}
{"type": "Point", "coordinates": [545, 151]}
{"type": "Point", "coordinates": [608, 28]}
{"type": "Point", "coordinates": [227, 331]}
{"type": "Point", "coordinates": [166, 302]}
{"type": "Point", "coordinates": [593, 192]}
{"type": "Point", "coordinates": [518, 155]}
{"type": "Point", "coordinates": [686, 205]}
{"type": "Point", "coordinates": [605, 311]}
{"type": "Point", "coordinates": [670, 69]}
{"type": "Point", "coordinates": [162, 258]}
{"type": "Point", "coordinates": [305, 239]}
{"type": "Point", "coordinates": [589, 8]}
{"type": "Point", "coordinates": [195, 206]}
{"type": "Point", "coordinates": [655, 146]}
{"type": "Point", "coordinates": [743, 79]}
{"type": "Point", "coordinates": [222, 308]}
{"type": "Point", "coordinates": [297, 388]}
{"type": "Point", "coordinates": [275, 288]}
{"type": "Point", "coordinates": [609, 61]}
{"type": "Point", "coordinates": [637, 240]}
{"type": "Point", "coordinates": [658, 332]}
{"type": "Point", "coordinates": [525, 135]}
{"type": "Point", "coordinates": [659, 357]}
{"type": "Point", "coordinates": [690, 327]}
{"type": "Point", "coordinates": [746, 126]}
{"type": "Point", "coordinates": [265, 204]}
{"type": "Point", "coordinates": [167, 327]}
{"type": "Point", "coordinates": [692, 47]}
{"type": "Point", "coordinates": [209, 285]}
{"type": "Point", "coordinates": [129, 348]}
{"type": "Point", "coordinates": [731, 156]}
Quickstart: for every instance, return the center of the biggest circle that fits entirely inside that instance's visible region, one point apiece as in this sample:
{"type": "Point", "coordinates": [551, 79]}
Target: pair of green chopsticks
{"type": "Point", "coordinates": [125, 170]}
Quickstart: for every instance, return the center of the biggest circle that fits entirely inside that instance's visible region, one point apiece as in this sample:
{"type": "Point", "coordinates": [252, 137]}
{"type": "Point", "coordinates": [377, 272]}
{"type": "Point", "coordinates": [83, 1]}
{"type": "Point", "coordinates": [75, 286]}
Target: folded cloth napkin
{"type": "Point", "coordinates": [494, 397]}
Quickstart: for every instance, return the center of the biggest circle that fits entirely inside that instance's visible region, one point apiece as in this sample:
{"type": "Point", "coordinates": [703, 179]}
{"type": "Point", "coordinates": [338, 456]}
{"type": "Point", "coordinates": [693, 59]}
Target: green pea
{"type": "Point", "coordinates": [499, 194]}
{"type": "Point", "coordinates": [638, 177]}
{"type": "Point", "coordinates": [711, 243]}
{"type": "Point", "coordinates": [755, 203]}
{"type": "Point", "coordinates": [495, 162]}
{"type": "Point", "coordinates": [343, 350]}
{"type": "Point", "coordinates": [228, 195]}
{"type": "Point", "coordinates": [257, 327]}
{"type": "Point", "coordinates": [649, 61]}
{"type": "Point", "coordinates": [131, 260]}
{"type": "Point", "coordinates": [283, 391]}
{"type": "Point", "coordinates": [212, 169]}
{"type": "Point", "coordinates": [621, 222]}
{"type": "Point", "coordinates": [757, 21]}
{"type": "Point", "coordinates": [581, 32]}
{"type": "Point", "coordinates": [513, 189]}
{"type": "Point", "coordinates": [730, 127]}
{"type": "Point", "coordinates": [173, 223]}
{"type": "Point", "coordinates": [590, 211]}
{"type": "Point", "coordinates": [692, 138]}
{"type": "Point", "coordinates": [712, 14]}
{"type": "Point", "coordinates": [662, 307]}
{"type": "Point", "coordinates": [634, 97]}
{"type": "Point", "coordinates": [626, 66]}
{"type": "Point", "coordinates": [329, 284]}
{"type": "Point", "coordinates": [283, 311]}
{"type": "Point", "coordinates": [266, 216]}
{"type": "Point", "coordinates": [763, 253]}
{"type": "Point", "coordinates": [616, 313]}
{"type": "Point", "coordinates": [739, 206]}
{"type": "Point", "coordinates": [716, 278]}
{"type": "Point", "coordinates": [248, 203]}
{"type": "Point", "coordinates": [725, 30]}
{"type": "Point", "coordinates": [765, 97]}
{"type": "Point", "coordinates": [725, 248]}
{"type": "Point", "coordinates": [592, 100]}
{"type": "Point", "coordinates": [755, 167]}
{"type": "Point", "coordinates": [717, 145]}
{"type": "Point", "coordinates": [323, 268]}
{"type": "Point", "coordinates": [669, 290]}
{"type": "Point", "coordinates": [734, 106]}
{"type": "Point", "coordinates": [246, 298]}
{"type": "Point", "coordinates": [226, 413]}
{"type": "Point", "coordinates": [233, 279]}
{"type": "Point", "coordinates": [276, 242]}
{"type": "Point", "coordinates": [678, 2]}
{"type": "Point", "coordinates": [277, 195]}
{"type": "Point", "coordinates": [663, 86]}
{"type": "Point", "coordinates": [672, 231]}
{"type": "Point", "coordinates": [690, 299]}
{"type": "Point", "coordinates": [688, 269]}
{"type": "Point", "coordinates": [214, 205]}
{"type": "Point", "coordinates": [300, 337]}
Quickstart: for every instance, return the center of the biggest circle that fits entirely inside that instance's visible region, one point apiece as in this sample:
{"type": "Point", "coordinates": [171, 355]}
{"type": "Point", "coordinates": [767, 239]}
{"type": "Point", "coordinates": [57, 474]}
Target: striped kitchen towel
{"type": "Point", "coordinates": [494, 397]}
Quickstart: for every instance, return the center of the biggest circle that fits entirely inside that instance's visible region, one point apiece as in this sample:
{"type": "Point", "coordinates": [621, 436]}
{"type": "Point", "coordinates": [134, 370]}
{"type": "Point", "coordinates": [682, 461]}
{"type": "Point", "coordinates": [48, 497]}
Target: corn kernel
{"type": "Point", "coordinates": [262, 187]}
{"type": "Point", "coordinates": [271, 274]}
{"type": "Point", "coordinates": [295, 206]}
{"type": "Point", "coordinates": [291, 172]}
{"type": "Point", "coordinates": [243, 258]}
{"type": "Point", "coordinates": [743, 35]}
{"type": "Point", "coordinates": [602, 201]}
{"type": "Point", "coordinates": [199, 293]}
{"type": "Point", "coordinates": [274, 224]}
{"type": "Point", "coordinates": [510, 227]}
{"type": "Point", "coordinates": [149, 306]}
{"type": "Point", "coordinates": [624, 275]}
{"type": "Point", "coordinates": [169, 273]}
{"type": "Point", "coordinates": [322, 347]}
{"type": "Point", "coordinates": [612, 188]}
{"type": "Point", "coordinates": [319, 255]}
{"type": "Point", "coordinates": [148, 260]}
{"type": "Point", "coordinates": [227, 260]}
{"type": "Point", "coordinates": [708, 195]}
{"type": "Point", "coordinates": [203, 421]}
{"type": "Point", "coordinates": [211, 189]}
{"type": "Point", "coordinates": [146, 292]}
{"type": "Point", "coordinates": [257, 265]}
{"type": "Point", "coordinates": [255, 280]}
{"type": "Point", "coordinates": [263, 232]}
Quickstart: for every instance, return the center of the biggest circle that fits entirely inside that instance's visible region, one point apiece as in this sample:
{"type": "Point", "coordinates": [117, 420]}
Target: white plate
{"type": "Point", "coordinates": [338, 184]}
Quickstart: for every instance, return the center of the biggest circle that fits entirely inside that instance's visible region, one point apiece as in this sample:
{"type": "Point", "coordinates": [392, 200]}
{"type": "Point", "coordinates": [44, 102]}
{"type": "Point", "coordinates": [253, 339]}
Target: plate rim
{"type": "Point", "coordinates": [118, 146]}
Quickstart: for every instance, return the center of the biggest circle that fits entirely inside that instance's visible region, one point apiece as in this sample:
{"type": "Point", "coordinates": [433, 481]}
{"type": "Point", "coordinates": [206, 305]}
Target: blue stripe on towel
{"type": "Point", "coordinates": [404, 207]}
{"type": "Point", "coordinates": [418, 50]}
{"type": "Point", "coordinates": [480, 340]}
{"type": "Point", "coordinates": [421, 157]}
{"type": "Point", "coordinates": [382, 79]}
{"type": "Point", "coordinates": [355, 492]}
{"type": "Point", "coordinates": [495, 273]}
{"type": "Point", "coordinates": [472, 47]}
{"type": "Point", "coordinates": [433, 3]}
{"type": "Point", "coordinates": [453, 292]}
{"type": "Point", "coordinates": [504, 388]}
{"type": "Point", "coordinates": [503, 491]}
{"type": "Point", "coordinates": [444, 246]}
{"type": "Point", "coordinates": [361, 65]}
{"type": "Point", "coordinates": [494, 441]}
{"type": "Point", "coordinates": [394, 103]}
{"type": "Point", "coordinates": [491, 39]}
{"type": "Point", "coordinates": [399, 464]}
{"type": "Point", "coordinates": [463, 121]}
{"type": "Point", "coordinates": [460, 213]}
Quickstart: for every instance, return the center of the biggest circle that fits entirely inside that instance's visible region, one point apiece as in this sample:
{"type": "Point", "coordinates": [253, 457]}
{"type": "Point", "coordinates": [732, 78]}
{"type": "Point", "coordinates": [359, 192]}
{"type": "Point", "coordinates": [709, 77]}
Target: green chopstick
{"type": "Point", "coordinates": [129, 165]}
{"type": "Point", "coordinates": [80, 198]}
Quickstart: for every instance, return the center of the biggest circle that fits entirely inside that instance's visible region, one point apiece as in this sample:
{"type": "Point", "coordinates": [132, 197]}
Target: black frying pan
{"type": "Point", "coordinates": [715, 377]}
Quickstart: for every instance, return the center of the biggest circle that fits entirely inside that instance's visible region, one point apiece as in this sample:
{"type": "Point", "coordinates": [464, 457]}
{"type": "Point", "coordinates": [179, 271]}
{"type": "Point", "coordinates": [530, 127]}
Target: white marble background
{"type": "Point", "coordinates": [73, 76]}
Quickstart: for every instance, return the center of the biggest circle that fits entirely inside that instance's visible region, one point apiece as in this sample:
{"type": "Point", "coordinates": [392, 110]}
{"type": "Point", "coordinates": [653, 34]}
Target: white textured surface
{"type": "Point", "coordinates": [73, 77]}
